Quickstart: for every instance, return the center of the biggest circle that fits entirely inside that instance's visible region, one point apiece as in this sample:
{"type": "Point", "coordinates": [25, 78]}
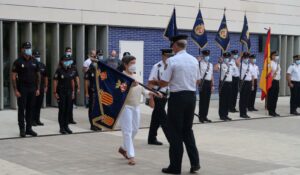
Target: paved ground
{"type": "Point", "coordinates": [264, 146]}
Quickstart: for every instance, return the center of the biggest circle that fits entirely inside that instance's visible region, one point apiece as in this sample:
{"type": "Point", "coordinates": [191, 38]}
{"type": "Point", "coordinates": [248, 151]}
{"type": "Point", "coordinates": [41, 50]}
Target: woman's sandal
{"type": "Point", "coordinates": [131, 162]}
{"type": "Point", "coordinates": [123, 152]}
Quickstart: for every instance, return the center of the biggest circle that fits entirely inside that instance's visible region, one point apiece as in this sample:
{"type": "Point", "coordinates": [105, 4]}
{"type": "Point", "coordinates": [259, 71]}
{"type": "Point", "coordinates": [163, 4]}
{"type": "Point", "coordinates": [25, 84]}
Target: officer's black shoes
{"type": "Point", "coordinates": [73, 122]}
{"type": "Point", "coordinates": [277, 115]}
{"type": "Point", "coordinates": [169, 171]}
{"type": "Point", "coordinates": [206, 120]}
{"type": "Point", "coordinates": [272, 114]}
{"type": "Point", "coordinates": [254, 109]}
{"type": "Point", "coordinates": [227, 118]}
{"type": "Point", "coordinates": [223, 118]}
{"type": "Point", "coordinates": [33, 124]}
{"type": "Point", "coordinates": [63, 131]}
{"type": "Point", "coordinates": [39, 123]}
{"type": "Point", "coordinates": [22, 133]}
{"type": "Point", "coordinates": [194, 169]}
{"type": "Point", "coordinates": [31, 132]}
{"type": "Point", "coordinates": [201, 121]}
{"type": "Point", "coordinates": [295, 113]}
{"type": "Point", "coordinates": [155, 142]}
{"type": "Point", "coordinates": [233, 110]}
{"type": "Point", "coordinates": [68, 130]}
{"type": "Point", "coordinates": [245, 116]}
{"type": "Point", "coordinates": [94, 128]}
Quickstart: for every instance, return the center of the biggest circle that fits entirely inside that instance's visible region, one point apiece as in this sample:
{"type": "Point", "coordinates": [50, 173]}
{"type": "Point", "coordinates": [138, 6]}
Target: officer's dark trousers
{"type": "Point", "coordinates": [225, 99]}
{"type": "Point", "coordinates": [71, 118]}
{"type": "Point", "coordinates": [273, 97]}
{"type": "Point", "coordinates": [252, 96]}
{"type": "Point", "coordinates": [91, 102]}
{"type": "Point", "coordinates": [181, 106]}
{"type": "Point", "coordinates": [37, 107]}
{"type": "Point", "coordinates": [244, 97]}
{"type": "Point", "coordinates": [65, 108]}
{"type": "Point", "coordinates": [235, 91]}
{"type": "Point", "coordinates": [205, 93]}
{"type": "Point", "coordinates": [295, 97]}
{"type": "Point", "coordinates": [25, 107]}
{"type": "Point", "coordinates": [158, 118]}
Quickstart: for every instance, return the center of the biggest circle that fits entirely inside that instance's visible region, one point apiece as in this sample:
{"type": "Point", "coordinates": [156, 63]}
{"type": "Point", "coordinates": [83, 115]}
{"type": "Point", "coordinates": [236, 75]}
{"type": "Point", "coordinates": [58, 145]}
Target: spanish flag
{"type": "Point", "coordinates": [266, 75]}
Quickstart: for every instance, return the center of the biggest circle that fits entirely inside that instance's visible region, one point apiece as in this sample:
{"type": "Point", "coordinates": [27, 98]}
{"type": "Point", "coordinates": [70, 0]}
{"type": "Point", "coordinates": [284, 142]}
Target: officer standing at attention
{"type": "Point", "coordinates": [159, 115]}
{"type": "Point", "coordinates": [206, 85]}
{"type": "Point", "coordinates": [63, 90]}
{"type": "Point", "coordinates": [182, 76]}
{"type": "Point", "coordinates": [26, 84]}
{"type": "Point", "coordinates": [246, 85]}
{"type": "Point", "coordinates": [293, 79]}
{"type": "Point", "coordinates": [90, 89]}
{"type": "Point", "coordinates": [225, 85]}
{"type": "Point", "coordinates": [252, 98]}
{"type": "Point", "coordinates": [43, 89]}
{"type": "Point", "coordinates": [274, 90]}
{"type": "Point", "coordinates": [235, 62]}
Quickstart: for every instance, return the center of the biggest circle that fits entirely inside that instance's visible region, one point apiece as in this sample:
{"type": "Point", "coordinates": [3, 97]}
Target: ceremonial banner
{"type": "Point", "coordinates": [266, 74]}
{"type": "Point", "coordinates": [222, 37]}
{"type": "Point", "coordinates": [245, 36]}
{"type": "Point", "coordinates": [171, 29]}
{"type": "Point", "coordinates": [112, 88]}
{"type": "Point", "coordinates": [199, 35]}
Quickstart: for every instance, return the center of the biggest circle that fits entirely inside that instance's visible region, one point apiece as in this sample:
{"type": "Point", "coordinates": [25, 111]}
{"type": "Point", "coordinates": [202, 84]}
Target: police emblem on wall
{"type": "Point", "coordinates": [223, 33]}
{"type": "Point", "coordinates": [199, 29]}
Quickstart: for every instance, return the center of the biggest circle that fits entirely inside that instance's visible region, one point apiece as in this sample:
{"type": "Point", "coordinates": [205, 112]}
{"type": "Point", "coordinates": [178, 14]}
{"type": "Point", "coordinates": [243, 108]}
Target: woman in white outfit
{"type": "Point", "coordinates": [130, 115]}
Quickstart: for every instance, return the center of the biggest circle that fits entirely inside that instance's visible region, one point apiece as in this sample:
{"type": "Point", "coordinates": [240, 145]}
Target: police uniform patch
{"type": "Point", "coordinates": [22, 66]}
{"type": "Point", "coordinates": [92, 75]}
{"type": "Point", "coordinates": [62, 77]}
{"type": "Point", "coordinates": [55, 75]}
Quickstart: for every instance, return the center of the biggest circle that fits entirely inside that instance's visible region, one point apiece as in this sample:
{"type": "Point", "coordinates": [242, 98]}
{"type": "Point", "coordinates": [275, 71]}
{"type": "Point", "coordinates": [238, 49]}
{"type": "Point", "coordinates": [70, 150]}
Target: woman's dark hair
{"type": "Point", "coordinates": [125, 60]}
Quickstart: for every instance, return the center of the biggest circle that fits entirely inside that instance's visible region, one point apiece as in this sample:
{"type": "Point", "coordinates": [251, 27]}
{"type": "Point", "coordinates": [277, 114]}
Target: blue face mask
{"type": "Point", "coordinates": [206, 58]}
{"type": "Point", "coordinates": [246, 61]}
{"type": "Point", "coordinates": [226, 60]}
{"type": "Point", "coordinates": [69, 53]}
{"type": "Point", "coordinates": [28, 52]}
{"type": "Point", "coordinates": [297, 62]}
{"type": "Point", "coordinates": [235, 56]}
{"type": "Point", "coordinates": [254, 61]}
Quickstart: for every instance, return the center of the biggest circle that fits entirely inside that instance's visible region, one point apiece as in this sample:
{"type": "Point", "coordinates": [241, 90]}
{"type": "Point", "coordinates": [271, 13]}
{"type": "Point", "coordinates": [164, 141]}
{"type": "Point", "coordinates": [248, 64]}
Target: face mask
{"type": "Point", "coordinates": [28, 52]}
{"type": "Point", "coordinates": [277, 58]}
{"type": "Point", "coordinates": [132, 68]}
{"type": "Point", "coordinates": [100, 57]}
{"type": "Point", "coordinates": [254, 61]}
{"type": "Point", "coordinates": [246, 61]}
{"type": "Point", "coordinates": [235, 56]}
{"type": "Point", "coordinates": [69, 53]}
{"type": "Point", "coordinates": [226, 60]}
{"type": "Point", "coordinates": [297, 62]}
{"type": "Point", "coordinates": [206, 58]}
{"type": "Point", "coordinates": [38, 59]}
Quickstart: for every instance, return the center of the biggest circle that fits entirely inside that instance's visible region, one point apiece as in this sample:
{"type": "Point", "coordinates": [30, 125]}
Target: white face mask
{"type": "Point", "coordinates": [132, 68]}
{"type": "Point", "coordinates": [38, 59]}
{"type": "Point", "coordinates": [277, 58]}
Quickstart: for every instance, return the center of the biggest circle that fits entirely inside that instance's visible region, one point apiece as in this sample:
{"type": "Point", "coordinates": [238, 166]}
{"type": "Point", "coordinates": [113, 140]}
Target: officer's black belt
{"type": "Point", "coordinates": [182, 92]}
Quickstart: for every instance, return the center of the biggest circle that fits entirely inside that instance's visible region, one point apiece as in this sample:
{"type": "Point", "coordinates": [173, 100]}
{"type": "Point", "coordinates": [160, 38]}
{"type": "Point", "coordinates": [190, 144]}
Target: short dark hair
{"type": "Point", "coordinates": [68, 48]}
{"type": "Point", "coordinates": [127, 59]}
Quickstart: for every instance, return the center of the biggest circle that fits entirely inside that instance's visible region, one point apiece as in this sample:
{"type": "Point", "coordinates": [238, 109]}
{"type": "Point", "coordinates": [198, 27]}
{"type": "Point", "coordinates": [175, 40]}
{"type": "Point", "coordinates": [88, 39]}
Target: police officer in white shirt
{"type": "Point", "coordinates": [251, 104]}
{"type": "Point", "coordinates": [293, 78]}
{"type": "Point", "coordinates": [182, 75]}
{"type": "Point", "coordinates": [247, 83]}
{"type": "Point", "coordinates": [88, 62]}
{"type": "Point", "coordinates": [206, 85]}
{"type": "Point", "coordinates": [159, 115]}
{"type": "Point", "coordinates": [235, 79]}
{"type": "Point", "coordinates": [274, 90]}
{"type": "Point", "coordinates": [225, 85]}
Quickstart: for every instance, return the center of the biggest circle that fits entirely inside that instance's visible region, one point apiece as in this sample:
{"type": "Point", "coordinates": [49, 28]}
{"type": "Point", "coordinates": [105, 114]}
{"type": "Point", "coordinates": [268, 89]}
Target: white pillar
{"type": "Point", "coordinates": [102, 39]}
{"type": "Point", "coordinates": [80, 54]}
{"type": "Point", "coordinates": [1, 68]}
{"type": "Point", "coordinates": [283, 55]}
{"type": "Point", "coordinates": [13, 53]}
{"type": "Point", "coordinates": [92, 37]}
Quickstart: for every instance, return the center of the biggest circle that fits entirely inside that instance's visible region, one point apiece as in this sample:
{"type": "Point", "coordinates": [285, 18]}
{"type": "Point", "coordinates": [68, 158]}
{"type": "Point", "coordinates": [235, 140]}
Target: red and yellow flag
{"type": "Point", "coordinates": [266, 75]}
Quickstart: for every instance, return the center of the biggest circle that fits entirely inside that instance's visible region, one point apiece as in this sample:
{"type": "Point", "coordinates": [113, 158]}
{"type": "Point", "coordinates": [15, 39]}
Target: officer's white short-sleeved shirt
{"type": "Point", "coordinates": [255, 71]}
{"type": "Point", "coordinates": [276, 69]}
{"type": "Point", "coordinates": [294, 71]}
{"type": "Point", "coordinates": [156, 73]}
{"type": "Point", "coordinates": [235, 69]}
{"type": "Point", "coordinates": [206, 67]}
{"type": "Point", "coordinates": [247, 71]}
{"type": "Point", "coordinates": [182, 72]}
{"type": "Point", "coordinates": [87, 63]}
{"type": "Point", "coordinates": [226, 70]}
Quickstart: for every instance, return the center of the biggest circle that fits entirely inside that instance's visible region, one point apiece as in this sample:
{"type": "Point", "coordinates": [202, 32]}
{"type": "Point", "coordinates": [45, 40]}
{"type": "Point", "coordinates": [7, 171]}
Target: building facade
{"type": "Point", "coordinates": [136, 26]}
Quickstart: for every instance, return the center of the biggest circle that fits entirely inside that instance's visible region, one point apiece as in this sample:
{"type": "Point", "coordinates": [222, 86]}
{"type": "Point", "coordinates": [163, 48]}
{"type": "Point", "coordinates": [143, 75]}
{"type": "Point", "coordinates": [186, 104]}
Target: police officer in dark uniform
{"type": "Point", "coordinates": [159, 115]}
{"type": "Point", "coordinates": [26, 84]}
{"type": "Point", "coordinates": [225, 85]}
{"type": "Point", "coordinates": [90, 90]}
{"type": "Point", "coordinates": [206, 85]}
{"type": "Point", "coordinates": [63, 90]}
{"type": "Point", "coordinates": [293, 79]}
{"type": "Point", "coordinates": [43, 89]}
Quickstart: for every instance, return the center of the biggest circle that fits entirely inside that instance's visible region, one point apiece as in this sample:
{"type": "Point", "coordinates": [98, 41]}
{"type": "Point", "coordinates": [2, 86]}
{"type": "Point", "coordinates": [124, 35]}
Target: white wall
{"type": "Point", "coordinates": [281, 15]}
